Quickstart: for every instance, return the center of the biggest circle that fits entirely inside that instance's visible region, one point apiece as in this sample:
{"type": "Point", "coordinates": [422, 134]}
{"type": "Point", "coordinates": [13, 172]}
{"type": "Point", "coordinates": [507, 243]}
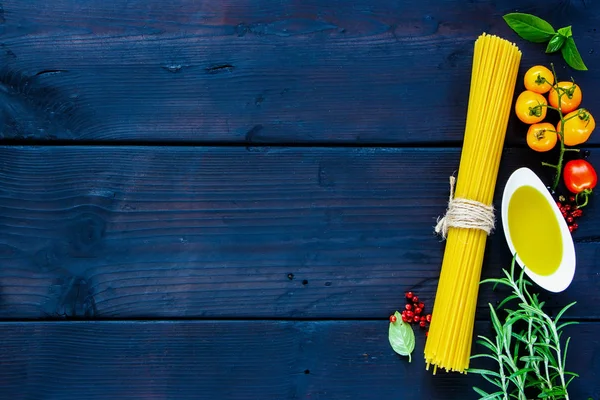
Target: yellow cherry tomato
{"type": "Point", "coordinates": [579, 126]}
{"type": "Point", "coordinates": [538, 79]}
{"type": "Point", "coordinates": [570, 99]}
{"type": "Point", "coordinates": [542, 137]}
{"type": "Point", "coordinates": [530, 107]}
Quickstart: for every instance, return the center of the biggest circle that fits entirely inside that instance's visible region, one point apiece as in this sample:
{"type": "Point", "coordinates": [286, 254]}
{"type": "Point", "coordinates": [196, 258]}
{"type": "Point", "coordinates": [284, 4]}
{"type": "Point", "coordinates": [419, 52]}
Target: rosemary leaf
{"type": "Point", "coordinates": [483, 372]}
{"type": "Point", "coordinates": [487, 343]}
{"type": "Point", "coordinates": [561, 326]}
{"type": "Point", "coordinates": [531, 359]}
{"type": "Point", "coordinates": [561, 312]}
{"type": "Point", "coordinates": [480, 392]}
{"type": "Point", "coordinates": [506, 300]}
{"type": "Point", "coordinates": [492, 396]}
{"type": "Point", "coordinates": [520, 372]}
{"type": "Point", "coordinates": [483, 356]}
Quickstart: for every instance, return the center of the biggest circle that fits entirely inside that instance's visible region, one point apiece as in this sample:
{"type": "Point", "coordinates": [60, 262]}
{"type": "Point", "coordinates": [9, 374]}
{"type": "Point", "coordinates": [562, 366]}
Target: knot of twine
{"type": "Point", "coordinates": [465, 213]}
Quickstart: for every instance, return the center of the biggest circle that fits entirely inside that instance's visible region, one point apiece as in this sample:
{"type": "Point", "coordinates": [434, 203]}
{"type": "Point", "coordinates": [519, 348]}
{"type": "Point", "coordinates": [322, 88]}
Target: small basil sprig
{"type": "Point", "coordinates": [402, 337]}
{"type": "Point", "coordinates": [535, 29]}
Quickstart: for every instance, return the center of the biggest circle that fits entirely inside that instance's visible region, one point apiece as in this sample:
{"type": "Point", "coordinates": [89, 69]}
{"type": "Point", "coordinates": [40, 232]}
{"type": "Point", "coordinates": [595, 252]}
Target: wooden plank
{"type": "Point", "coordinates": [238, 360]}
{"type": "Point", "coordinates": [378, 71]}
{"type": "Point", "coordinates": [134, 232]}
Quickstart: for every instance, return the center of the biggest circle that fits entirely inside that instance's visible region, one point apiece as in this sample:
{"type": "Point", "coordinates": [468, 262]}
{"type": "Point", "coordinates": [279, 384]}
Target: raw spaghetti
{"type": "Point", "coordinates": [494, 73]}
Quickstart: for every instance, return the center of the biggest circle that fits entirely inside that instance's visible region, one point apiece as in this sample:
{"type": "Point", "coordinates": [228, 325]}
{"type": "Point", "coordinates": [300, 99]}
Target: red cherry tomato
{"type": "Point", "coordinates": [580, 178]}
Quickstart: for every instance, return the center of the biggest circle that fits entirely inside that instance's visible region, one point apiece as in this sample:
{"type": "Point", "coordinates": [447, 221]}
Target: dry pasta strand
{"type": "Point", "coordinates": [493, 78]}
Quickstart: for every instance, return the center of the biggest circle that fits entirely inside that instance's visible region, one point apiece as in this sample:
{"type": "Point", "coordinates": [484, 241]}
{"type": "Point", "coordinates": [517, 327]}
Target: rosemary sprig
{"type": "Point", "coordinates": [527, 346]}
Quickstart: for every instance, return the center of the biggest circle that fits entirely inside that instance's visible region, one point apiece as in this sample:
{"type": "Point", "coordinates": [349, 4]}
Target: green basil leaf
{"type": "Point", "coordinates": [555, 43]}
{"type": "Point", "coordinates": [566, 31]}
{"type": "Point", "coordinates": [572, 56]}
{"type": "Point", "coordinates": [402, 337]}
{"type": "Point", "coordinates": [530, 27]}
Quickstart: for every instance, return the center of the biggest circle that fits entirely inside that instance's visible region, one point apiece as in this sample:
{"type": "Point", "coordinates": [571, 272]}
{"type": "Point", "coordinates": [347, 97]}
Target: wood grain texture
{"type": "Point", "coordinates": [239, 360]}
{"type": "Point", "coordinates": [369, 71]}
{"type": "Point", "coordinates": [134, 232]}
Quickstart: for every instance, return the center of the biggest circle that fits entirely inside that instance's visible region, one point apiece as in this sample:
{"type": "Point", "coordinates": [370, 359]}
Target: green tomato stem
{"type": "Point", "coordinates": [585, 194]}
{"type": "Point", "coordinates": [561, 133]}
{"type": "Point", "coordinates": [545, 164]}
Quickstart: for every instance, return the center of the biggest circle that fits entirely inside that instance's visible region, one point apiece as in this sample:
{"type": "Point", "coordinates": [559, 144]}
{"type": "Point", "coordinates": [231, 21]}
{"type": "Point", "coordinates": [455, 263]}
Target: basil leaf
{"type": "Point", "coordinates": [401, 336]}
{"type": "Point", "coordinates": [566, 31]}
{"type": "Point", "coordinates": [530, 27]}
{"type": "Point", "coordinates": [572, 56]}
{"type": "Point", "coordinates": [555, 43]}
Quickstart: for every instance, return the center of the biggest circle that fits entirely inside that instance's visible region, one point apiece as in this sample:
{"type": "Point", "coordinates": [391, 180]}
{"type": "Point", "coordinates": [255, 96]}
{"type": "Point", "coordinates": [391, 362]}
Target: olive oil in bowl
{"type": "Point", "coordinates": [536, 231]}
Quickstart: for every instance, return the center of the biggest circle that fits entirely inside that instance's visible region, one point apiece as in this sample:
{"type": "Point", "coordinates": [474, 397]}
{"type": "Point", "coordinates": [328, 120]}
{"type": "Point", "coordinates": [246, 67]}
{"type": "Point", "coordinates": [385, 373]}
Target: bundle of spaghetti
{"type": "Point", "coordinates": [494, 73]}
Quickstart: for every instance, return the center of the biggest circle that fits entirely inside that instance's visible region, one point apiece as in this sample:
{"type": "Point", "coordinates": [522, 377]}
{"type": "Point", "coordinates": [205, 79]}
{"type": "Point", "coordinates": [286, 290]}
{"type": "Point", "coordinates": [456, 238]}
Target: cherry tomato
{"type": "Point", "coordinates": [579, 175]}
{"type": "Point", "coordinates": [538, 79]}
{"type": "Point", "coordinates": [542, 137]}
{"type": "Point", "coordinates": [530, 107]}
{"type": "Point", "coordinates": [578, 128]}
{"type": "Point", "coordinates": [580, 178]}
{"type": "Point", "coordinates": [570, 100]}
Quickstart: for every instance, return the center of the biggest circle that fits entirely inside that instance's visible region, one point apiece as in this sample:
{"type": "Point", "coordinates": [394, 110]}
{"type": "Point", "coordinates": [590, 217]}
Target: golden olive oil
{"type": "Point", "coordinates": [534, 231]}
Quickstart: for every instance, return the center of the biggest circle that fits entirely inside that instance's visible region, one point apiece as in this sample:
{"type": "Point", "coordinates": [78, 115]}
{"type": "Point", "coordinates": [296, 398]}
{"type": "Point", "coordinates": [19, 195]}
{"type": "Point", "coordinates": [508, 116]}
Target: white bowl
{"type": "Point", "coordinates": [563, 276]}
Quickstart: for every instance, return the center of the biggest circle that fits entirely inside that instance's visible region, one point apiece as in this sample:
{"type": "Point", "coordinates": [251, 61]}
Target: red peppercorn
{"type": "Point", "coordinates": [421, 305]}
{"type": "Point", "coordinates": [416, 318]}
{"type": "Point", "coordinates": [418, 311]}
{"type": "Point", "coordinates": [568, 207]}
{"type": "Point", "coordinates": [409, 320]}
{"type": "Point", "coordinates": [577, 213]}
{"type": "Point", "coordinates": [428, 317]}
{"type": "Point", "coordinates": [393, 318]}
{"type": "Point", "coordinates": [422, 324]}
{"type": "Point", "coordinates": [404, 319]}
{"type": "Point", "coordinates": [571, 228]}
{"type": "Point", "coordinates": [415, 299]}
{"type": "Point", "coordinates": [558, 204]}
{"type": "Point", "coordinates": [409, 295]}
{"type": "Point", "coordinates": [572, 199]}
{"type": "Point", "coordinates": [409, 314]}
{"type": "Point", "coordinates": [575, 225]}
{"type": "Point", "coordinates": [570, 219]}
{"type": "Point", "coordinates": [408, 307]}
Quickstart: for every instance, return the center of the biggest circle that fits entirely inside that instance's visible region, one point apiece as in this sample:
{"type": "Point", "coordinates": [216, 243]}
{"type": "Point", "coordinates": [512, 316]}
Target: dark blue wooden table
{"type": "Point", "coordinates": [226, 199]}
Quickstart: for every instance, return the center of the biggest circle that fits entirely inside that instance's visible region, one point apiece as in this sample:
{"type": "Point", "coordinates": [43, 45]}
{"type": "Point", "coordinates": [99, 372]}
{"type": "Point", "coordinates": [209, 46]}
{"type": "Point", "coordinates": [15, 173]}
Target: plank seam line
{"type": "Point", "coordinates": [157, 143]}
{"type": "Point", "coordinates": [139, 143]}
{"type": "Point", "coordinates": [229, 319]}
